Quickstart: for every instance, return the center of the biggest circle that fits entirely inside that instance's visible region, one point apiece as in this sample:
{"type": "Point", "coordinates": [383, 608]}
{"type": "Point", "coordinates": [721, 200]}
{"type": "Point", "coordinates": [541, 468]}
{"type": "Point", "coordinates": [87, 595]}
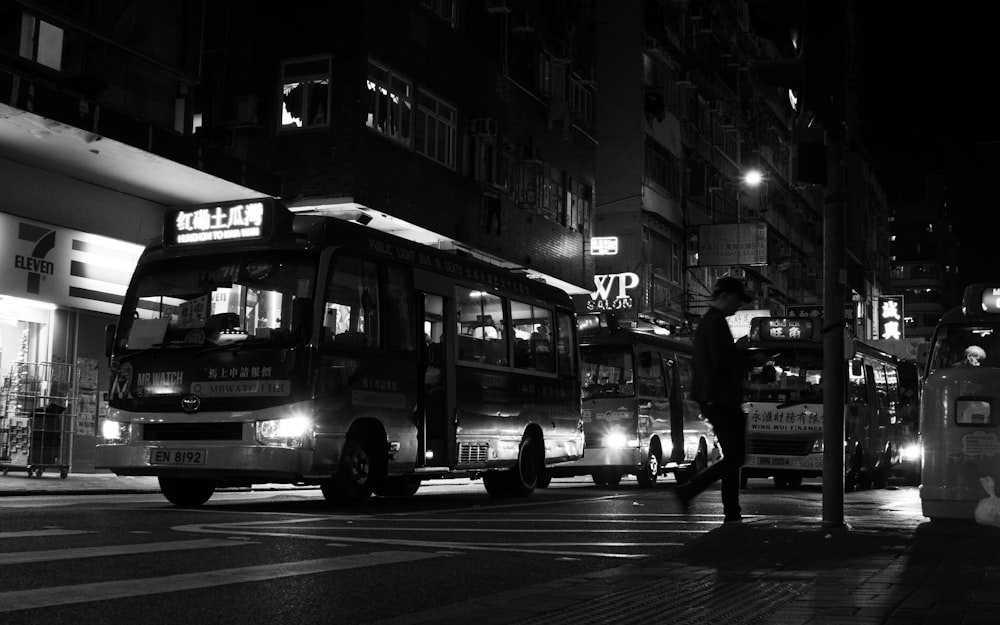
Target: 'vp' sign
{"type": "Point", "coordinates": [605, 284]}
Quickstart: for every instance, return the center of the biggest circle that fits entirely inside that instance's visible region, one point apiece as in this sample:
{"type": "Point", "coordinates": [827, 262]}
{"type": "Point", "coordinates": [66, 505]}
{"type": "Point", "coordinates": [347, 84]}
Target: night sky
{"type": "Point", "coordinates": [927, 99]}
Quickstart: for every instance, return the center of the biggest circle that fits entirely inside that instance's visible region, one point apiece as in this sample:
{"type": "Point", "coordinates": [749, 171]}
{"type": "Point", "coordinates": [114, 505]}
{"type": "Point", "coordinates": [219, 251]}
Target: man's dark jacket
{"type": "Point", "coordinates": [718, 365]}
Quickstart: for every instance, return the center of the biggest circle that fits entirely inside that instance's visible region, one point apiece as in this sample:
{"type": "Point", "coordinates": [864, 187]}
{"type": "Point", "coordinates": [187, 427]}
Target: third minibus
{"type": "Point", "coordinates": [784, 401]}
{"type": "Point", "coordinates": [959, 412]}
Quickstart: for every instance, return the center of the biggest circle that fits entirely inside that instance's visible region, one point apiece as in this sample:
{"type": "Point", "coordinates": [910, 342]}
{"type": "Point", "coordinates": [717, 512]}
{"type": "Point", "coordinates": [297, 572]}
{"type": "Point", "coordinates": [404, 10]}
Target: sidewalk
{"type": "Point", "coordinates": [786, 571]}
{"type": "Point", "coordinates": [898, 569]}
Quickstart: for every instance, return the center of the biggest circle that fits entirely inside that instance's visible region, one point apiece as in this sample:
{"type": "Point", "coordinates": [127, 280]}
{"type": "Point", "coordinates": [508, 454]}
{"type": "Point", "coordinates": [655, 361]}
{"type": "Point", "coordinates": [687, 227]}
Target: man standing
{"type": "Point", "coordinates": [717, 386]}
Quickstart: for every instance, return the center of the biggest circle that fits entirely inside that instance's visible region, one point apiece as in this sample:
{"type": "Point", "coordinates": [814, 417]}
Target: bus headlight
{"type": "Point", "coordinates": [615, 439]}
{"type": "Point", "coordinates": [115, 432]}
{"type": "Point", "coordinates": [291, 431]}
{"type": "Point", "coordinates": [911, 452]}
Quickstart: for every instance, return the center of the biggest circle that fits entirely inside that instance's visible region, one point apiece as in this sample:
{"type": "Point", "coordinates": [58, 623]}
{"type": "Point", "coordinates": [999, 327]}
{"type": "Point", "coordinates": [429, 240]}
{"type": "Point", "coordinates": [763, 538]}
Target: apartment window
{"type": "Point", "coordinates": [551, 77]}
{"type": "Point", "coordinates": [305, 93]}
{"type": "Point", "coordinates": [447, 10]}
{"type": "Point", "coordinates": [493, 162]}
{"type": "Point", "coordinates": [553, 194]}
{"type": "Point", "coordinates": [390, 103]}
{"type": "Point", "coordinates": [579, 201]}
{"type": "Point", "coordinates": [435, 132]}
{"type": "Point", "coordinates": [661, 169]}
{"type": "Point", "coordinates": [581, 101]}
{"type": "Point", "coordinates": [41, 42]}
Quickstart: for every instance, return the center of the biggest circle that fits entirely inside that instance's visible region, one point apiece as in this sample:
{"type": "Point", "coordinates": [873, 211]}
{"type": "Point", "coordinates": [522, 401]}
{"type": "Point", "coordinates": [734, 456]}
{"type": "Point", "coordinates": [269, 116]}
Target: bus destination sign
{"type": "Point", "coordinates": [786, 328]}
{"type": "Point", "coordinates": [229, 222]}
{"type": "Point", "coordinates": [991, 299]}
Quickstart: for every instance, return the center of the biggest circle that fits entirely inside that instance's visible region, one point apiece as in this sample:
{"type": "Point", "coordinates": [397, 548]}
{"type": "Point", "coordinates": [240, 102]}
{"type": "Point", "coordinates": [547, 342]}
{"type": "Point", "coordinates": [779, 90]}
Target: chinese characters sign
{"type": "Point", "coordinates": [603, 246]}
{"type": "Point", "coordinates": [732, 244]}
{"type": "Point", "coordinates": [890, 317]}
{"type": "Point", "coordinates": [208, 224]}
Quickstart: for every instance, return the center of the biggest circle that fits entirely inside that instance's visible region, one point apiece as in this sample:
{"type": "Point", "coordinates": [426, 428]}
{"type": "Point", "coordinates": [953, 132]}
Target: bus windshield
{"type": "Point", "coordinates": [606, 371]}
{"type": "Point", "coordinates": [215, 300]}
{"type": "Point", "coordinates": [966, 346]}
{"type": "Point", "coordinates": [785, 376]}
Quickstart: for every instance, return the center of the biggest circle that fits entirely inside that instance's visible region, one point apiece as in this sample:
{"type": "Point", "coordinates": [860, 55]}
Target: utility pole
{"type": "Point", "coordinates": [834, 364]}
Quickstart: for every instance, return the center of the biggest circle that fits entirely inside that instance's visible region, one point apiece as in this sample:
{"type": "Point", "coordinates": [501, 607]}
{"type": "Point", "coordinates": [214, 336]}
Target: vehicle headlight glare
{"type": "Point", "coordinates": [115, 432]}
{"type": "Point", "coordinates": [911, 452]}
{"type": "Point", "coordinates": [615, 439]}
{"type": "Point", "coordinates": [288, 432]}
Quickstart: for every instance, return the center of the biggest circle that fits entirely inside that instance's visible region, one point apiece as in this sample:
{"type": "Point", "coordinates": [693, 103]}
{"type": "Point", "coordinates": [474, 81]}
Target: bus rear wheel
{"type": "Point", "coordinates": [186, 492]}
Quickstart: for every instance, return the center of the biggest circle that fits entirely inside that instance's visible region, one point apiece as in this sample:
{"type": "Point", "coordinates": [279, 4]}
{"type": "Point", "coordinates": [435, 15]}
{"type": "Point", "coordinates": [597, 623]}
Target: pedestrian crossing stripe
{"type": "Point", "coordinates": [16, 600]}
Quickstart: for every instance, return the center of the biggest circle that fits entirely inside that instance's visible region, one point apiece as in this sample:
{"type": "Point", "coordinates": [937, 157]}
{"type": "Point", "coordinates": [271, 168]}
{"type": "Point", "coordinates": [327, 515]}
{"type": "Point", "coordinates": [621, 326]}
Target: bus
{"type": "Point", "coordinates": [959, 415]}
{"type": "Point", "coordinates": [638, 417]}
{"type": "Point", "coordinates": [784, 403]}
{"type": "Point", "coordinates": [257, 345]}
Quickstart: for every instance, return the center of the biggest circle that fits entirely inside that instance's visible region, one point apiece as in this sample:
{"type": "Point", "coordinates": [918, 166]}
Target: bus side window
{"type": "Point", "coordinates": [857, 390]}
{"type": "Point", "coordinates": [481, 318]}
{"type": "Point", "coordinates": [566, 343]}
{"type": "Point", "coordinates": [352, 303]}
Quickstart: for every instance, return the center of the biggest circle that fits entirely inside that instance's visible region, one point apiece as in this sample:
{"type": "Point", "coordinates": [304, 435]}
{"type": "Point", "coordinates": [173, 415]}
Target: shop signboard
{"type": "Point", "coordinates": [64, 267]}
{"type": "Point", "coordinates": [732, 244]}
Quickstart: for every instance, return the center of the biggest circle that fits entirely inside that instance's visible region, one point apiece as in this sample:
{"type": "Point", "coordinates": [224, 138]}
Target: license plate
{"type": "Point", "coordinates": [177, 456]}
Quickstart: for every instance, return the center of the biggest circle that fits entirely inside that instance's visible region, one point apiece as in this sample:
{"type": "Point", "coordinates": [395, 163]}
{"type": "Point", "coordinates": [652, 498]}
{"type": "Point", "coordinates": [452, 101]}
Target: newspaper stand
{"type": "Point", "coordinates": [37, 418]}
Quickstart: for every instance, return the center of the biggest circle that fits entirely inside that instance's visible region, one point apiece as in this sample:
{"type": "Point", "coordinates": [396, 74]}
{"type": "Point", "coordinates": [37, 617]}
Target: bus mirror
{"type": "Point", "coordinates": [301, 308]}
{"type": "Point", "coordinates": [109, 339]}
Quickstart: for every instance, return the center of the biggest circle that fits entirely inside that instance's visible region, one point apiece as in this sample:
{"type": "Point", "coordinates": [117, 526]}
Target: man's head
{"type": "Point", "coordinates": [974, 355]}
{"type": "Point", "coordinates": [729, 295]}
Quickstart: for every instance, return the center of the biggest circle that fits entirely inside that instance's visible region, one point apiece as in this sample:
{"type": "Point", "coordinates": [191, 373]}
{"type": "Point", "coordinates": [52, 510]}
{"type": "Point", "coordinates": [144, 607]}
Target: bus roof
{"type": "Point", "coordinates": [605, 328]}
{"type": "Point", "coordinates": [279, 228]}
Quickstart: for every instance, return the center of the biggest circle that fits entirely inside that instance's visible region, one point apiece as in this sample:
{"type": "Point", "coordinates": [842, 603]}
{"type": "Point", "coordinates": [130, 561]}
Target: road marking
{"type": "Point", "coordinates": [24, 557]}
{"type": "Point", "coordinates": [38, 533]}
{"type": "Point", "coordinates": [124, 588]}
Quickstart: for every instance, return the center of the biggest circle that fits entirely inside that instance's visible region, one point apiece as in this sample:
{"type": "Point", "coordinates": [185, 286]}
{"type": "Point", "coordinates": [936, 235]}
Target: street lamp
{"type": "Point", "coordinates": [753, 177]}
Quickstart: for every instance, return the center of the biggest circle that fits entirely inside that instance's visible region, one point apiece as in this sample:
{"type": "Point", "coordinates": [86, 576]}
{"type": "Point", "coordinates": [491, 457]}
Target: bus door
{"type": "Point", "coordinates": [675, 396]}
{"type": "Point", "coordinates": [435, 425]}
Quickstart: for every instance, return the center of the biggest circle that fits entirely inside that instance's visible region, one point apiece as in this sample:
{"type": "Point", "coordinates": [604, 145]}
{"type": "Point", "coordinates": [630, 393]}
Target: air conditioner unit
{"type": "Point", "coordinates": [497, 7]}
{"type": "Point", "coordinates": [484, 127]}
{"type": "Point", "coordinates": [522, 22]}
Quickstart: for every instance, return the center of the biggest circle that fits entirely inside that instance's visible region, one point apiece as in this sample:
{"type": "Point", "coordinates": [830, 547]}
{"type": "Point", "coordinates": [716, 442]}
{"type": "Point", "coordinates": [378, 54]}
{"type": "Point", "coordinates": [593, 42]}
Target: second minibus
{"type": "Point", "coordinates": [638, 417]}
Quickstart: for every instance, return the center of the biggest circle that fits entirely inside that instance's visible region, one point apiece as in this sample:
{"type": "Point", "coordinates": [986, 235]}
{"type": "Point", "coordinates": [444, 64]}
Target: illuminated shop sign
{"type": "Point", "coordinates": [219, 223]}
{"type": "Point", "coordinates": [890, 317]}
{"type": "Point", "coordinates": [612, 291]}
{"type": "Point", "coordinates": [786, 329]}
{"type": "Point", "coordinates": [990, 299]}
{"type": "Point", "coordinates": [603, 246]}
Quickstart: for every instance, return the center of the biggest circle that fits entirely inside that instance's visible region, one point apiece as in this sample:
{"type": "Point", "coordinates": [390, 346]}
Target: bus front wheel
{"type": "Point", "coordinates": [354, 482]}
{"type": "Point", "coordinates": [186, 492]}
{"type": "Point", "coordinates": [530, 465]}
{"type": "Point", "coordinates": [650, 470]}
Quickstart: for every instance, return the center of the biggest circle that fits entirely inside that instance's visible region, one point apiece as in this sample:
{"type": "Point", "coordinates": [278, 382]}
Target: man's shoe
{"type": "Point", "coordinates": [733, 518]}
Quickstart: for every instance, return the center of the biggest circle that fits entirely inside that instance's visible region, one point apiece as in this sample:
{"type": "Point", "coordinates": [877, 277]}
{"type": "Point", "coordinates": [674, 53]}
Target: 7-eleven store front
{"type": "Point", "coordinates": [59, 288]}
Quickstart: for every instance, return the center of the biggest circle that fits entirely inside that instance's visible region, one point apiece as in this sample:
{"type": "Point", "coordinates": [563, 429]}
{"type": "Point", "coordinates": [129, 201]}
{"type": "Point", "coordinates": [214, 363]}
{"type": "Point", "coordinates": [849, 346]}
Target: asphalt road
{"type": "Point", "coordinates": [287, 556]}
